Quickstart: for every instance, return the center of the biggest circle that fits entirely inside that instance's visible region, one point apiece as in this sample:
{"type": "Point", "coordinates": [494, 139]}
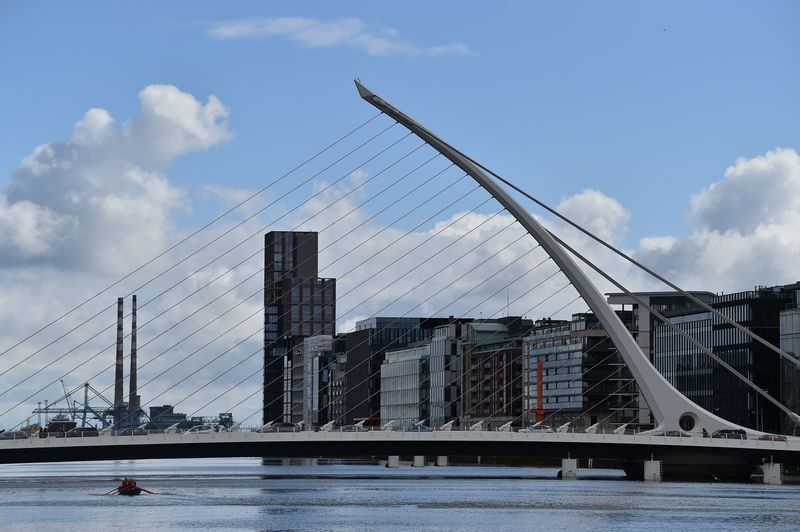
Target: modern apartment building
{"type": "Point", "coordinates": [297, 305]}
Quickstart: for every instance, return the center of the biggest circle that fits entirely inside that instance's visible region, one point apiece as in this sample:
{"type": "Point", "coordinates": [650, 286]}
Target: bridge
{"type": "Point", "coordinates": [731, 457]}
{"type": "Point", "coordinates": [679, 441]}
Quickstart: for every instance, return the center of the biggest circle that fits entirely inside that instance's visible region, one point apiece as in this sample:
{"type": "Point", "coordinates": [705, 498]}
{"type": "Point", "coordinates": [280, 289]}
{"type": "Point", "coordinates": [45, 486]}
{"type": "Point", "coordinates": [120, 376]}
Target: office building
{"type": "Point", "coordinates": [366, 350]}
{"type": "Point", "coordinates": [492, 384]}
{"type": "Point", "coordinates": [297, 305]}
{"type": "Point", "coordinates": [572, 373]}
{"type": "Point", "coordinates": [447, 371]}
{"type": "Point", "coordinates": [766, 311]}
{"type": "Point", "coordinates": [404, 394]}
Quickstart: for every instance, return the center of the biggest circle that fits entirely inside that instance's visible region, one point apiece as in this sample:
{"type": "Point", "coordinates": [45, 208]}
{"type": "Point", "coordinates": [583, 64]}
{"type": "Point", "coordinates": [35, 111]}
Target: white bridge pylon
{"type": "Point", "coordinates": [670, 408]}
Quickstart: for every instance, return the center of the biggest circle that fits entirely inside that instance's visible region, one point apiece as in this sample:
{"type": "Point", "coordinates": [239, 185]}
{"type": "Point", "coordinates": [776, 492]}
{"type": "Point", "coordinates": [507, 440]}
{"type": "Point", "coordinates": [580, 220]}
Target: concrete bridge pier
{"type": "Point", "coordinates": [773, 473]}
{"type": "Point", "coordinates": [653, 471]}
{"type": "Point", "coordinates": [569, 468]}
{"type": "Point", "coordinates": [419, 461]}
{"type": "Point", "coordinates": [441, 461]}
{"type": "Point", "coordinates": [393, 461]}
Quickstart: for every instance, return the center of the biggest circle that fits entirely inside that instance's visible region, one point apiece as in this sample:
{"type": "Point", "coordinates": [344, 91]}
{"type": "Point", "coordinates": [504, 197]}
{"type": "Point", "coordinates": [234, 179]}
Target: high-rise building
{"type": "Point", "coordinates": [766, 311]}
{"type": "Point", "coordinates": [297, 305]}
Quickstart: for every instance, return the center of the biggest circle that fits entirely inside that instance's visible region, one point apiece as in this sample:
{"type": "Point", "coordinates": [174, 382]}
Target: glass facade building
{"type": "Point", "coordinates": [404, 392]}
{"type": "Point", "coordinates": [366, 351]}
{"type": "Point", "coordinates": [446, 371]}
{"type": "Point", "coordinates": [297, 305]}
{"type": "Point", "coordinates": [790, 373]}
{"type": "Point", "coordinates": [766, 311]}
{"type": "Point", "coordinates": [583, 379]}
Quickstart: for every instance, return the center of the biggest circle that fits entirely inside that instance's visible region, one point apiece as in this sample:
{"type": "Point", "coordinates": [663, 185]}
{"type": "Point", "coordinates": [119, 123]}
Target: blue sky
{"type": "Point", "coordinates": [671, 130]}
{"type": "Point", "coordinates": [645, 103]}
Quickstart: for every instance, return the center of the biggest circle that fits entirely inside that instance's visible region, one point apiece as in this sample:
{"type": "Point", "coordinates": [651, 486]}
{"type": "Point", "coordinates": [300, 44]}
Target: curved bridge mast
{"type": "Point", "coordinates": [668, 405]}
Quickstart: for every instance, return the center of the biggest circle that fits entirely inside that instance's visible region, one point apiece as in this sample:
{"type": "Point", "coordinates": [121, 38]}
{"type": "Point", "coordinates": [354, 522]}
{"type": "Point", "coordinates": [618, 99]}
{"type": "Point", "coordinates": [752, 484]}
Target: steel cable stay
{"type": "Point", "coordinates": [188, 237]}
{"type": "Point", "coordinates": [253, 255]}
{"type": "Point", "coordinates": [220, 237]}
{"type": "Point", "coordinates": [522, 336]}
{"type": "Point", "coordinates": [366, 360]}
{"type": "Point", "coordinates": [489, 297]}
{"type": "Point", "coordinates": [20, 403]}
{"type": "Point", "coordinates": [441, 250]}
{"type": "Point", "coordinates": [157, 296]}
{"type": "Point", "coordinates": [355, 307]}
{"type": "Point", "coordinates": [260, 350]}
{"type": "Point", "coordinates": [218, 257]}
{"type": "Point", "coordinates": [386, 247]}
{"type": "Point", "coordinates": [370, 297]}
{"type": "Point", "coordinates": [509, 342]}
{"type": "Point", "coordinates": [535, 267]}
{"type": "Point", "coordinates": [642, 267]}
{"type": "Point", "coordinates": [792, 415]}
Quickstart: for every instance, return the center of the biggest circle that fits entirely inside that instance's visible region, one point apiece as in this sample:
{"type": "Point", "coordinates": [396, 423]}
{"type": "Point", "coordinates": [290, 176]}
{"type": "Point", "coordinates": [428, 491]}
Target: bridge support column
{"type": "Point", "coordinates": [441, 461]}
{"type": "Point", "coordinates": [394, 461]}
{"type": "Point", "coordinates": [419, 461]}
{"type": "Point", "coordinates": [569, 468]}
{"type": "Point", "coordinates": [773, 473]}
{"type": "Point", "coordinates": [653, 470]}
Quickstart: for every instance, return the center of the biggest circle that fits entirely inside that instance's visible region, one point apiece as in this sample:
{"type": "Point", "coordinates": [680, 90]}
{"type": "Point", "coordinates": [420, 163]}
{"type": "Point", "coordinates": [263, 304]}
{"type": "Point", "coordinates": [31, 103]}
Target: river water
{"type": "Point", "coordinates": [251, 494]}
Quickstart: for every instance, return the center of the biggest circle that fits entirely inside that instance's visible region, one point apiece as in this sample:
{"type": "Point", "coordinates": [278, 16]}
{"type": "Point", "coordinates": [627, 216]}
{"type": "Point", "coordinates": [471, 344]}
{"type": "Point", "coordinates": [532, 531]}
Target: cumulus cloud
{"type": "Point", "coordinates": [319, 33]}
{"type": "Point", "coordinates": [79, 213]}
{"type": "Point", "coordinates": [745, 228]}
{"type": "Point", "coordinates": [173, 123]}
{"type": "Point", "coordinates": [92, 201]}
{"type": "Point", "coordinates": [757, 191]}
{"type": "Point", "coordinates": [602, 215]}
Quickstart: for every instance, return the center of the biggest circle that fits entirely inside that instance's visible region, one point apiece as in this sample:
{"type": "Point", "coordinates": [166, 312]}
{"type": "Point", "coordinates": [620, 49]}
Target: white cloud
{"type": "Point", "coordinates": [174, 123]}
{"type": "Point", "coordinates": [604, 216]}
{"type": "Point", "coordinates": [318, 33]}
{"type": "Point", "coordinates": [100, 199]}
{"type": "Point", "coordinates": [79, 213]}
{"type": "Point", "coordinates": [756, 191]}
{"type": "Point", "coordinates": [33, 230]}
{"type": "Point", "coordinates": [746, 229]}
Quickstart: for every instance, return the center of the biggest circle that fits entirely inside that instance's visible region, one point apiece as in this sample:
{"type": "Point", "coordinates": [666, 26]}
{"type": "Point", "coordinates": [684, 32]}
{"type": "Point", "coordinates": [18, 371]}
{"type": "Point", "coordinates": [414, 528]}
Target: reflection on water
{"type": "Point", "coordinates": [250, 494]}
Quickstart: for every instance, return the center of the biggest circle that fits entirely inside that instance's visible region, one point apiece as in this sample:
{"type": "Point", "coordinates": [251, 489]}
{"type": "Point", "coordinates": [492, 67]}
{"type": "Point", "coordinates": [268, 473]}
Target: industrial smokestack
{"type": "Point", "coordinates": [133, 400]}
{"type": "Point", "coordinates": [118, 397]}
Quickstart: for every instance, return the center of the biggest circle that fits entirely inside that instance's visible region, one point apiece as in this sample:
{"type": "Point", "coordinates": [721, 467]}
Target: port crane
{"type": "Point", "coordinates": [67, 406]}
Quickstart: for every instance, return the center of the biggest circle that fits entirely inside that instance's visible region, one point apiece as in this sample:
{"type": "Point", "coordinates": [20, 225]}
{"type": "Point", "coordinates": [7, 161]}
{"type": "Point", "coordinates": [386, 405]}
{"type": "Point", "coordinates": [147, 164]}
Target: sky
{"type": "Point", "coordinates": [669, 130]}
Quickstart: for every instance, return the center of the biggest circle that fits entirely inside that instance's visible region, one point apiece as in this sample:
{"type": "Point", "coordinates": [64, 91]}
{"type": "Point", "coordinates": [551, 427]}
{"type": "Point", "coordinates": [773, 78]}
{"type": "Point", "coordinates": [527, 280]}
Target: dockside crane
{"type": "Point", "coordinates": [103, 414]}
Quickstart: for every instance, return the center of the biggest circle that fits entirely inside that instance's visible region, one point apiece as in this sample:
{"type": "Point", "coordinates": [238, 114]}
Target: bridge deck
{"type": "Point", "coordinates": [382, 443]}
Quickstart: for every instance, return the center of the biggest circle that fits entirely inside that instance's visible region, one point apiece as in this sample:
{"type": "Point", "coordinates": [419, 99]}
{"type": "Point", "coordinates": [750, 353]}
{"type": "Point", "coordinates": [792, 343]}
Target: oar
{"type": "Point", "coordinates": [112, 491]}
{"type": "Point", "coordinates": [147, 491]}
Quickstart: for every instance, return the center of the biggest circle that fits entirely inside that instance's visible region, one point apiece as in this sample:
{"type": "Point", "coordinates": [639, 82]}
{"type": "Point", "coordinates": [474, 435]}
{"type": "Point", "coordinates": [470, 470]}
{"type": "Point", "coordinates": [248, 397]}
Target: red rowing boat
{"type": "Point", "coordinates": [128, 487]}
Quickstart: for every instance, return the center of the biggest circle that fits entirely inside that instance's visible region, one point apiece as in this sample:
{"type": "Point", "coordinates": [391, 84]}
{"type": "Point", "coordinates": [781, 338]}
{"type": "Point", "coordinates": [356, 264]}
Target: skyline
{"type": "Point", "coordinates": [130, 155]}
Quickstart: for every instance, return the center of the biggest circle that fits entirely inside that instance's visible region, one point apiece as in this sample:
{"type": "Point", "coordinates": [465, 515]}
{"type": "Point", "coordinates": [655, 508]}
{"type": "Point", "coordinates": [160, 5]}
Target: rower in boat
{"type": "Point", "coordinates": [128, 487]}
